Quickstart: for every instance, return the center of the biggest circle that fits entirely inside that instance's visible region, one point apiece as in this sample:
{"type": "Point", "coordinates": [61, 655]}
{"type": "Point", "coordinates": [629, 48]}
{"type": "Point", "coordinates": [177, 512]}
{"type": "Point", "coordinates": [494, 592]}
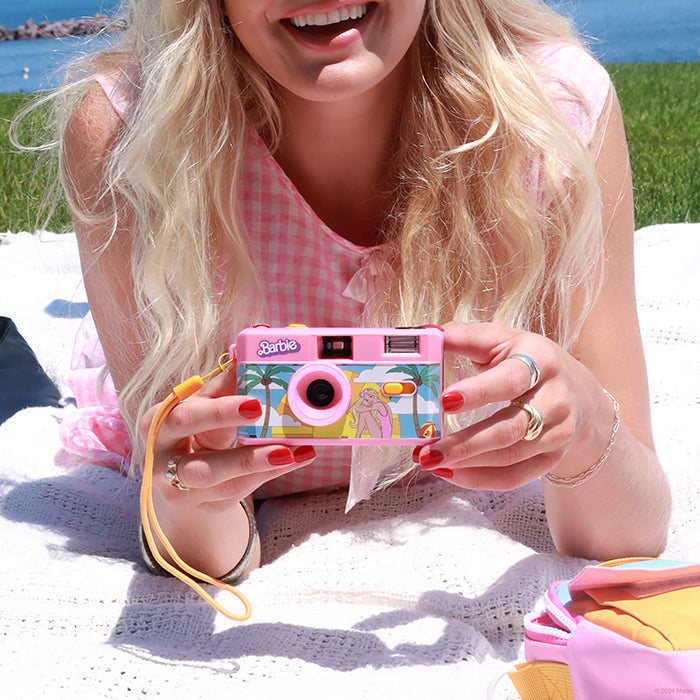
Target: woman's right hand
{"type": "Point", "coordinates": [205, 523]}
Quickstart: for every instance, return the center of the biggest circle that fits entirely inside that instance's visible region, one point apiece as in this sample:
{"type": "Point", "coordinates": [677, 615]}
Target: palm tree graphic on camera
{"type": "Point", "coordinates": [266, 377]}
{"type": "Point", "coordinates": [419, 375]}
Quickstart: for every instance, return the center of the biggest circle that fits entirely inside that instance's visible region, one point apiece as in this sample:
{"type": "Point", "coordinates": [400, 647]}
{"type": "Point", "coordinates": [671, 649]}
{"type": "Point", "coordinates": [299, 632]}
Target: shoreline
{"type": "Point", "coordinates": [65, 27]}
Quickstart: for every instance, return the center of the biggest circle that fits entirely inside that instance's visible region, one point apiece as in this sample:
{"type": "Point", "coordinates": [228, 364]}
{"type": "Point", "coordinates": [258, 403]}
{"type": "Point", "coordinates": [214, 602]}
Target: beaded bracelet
{"type": "Point", "coordinates": [569, 482]}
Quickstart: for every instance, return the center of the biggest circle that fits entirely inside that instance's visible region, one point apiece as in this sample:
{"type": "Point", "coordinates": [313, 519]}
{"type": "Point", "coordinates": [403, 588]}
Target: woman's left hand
{"type": "Point", "coordinates": [576, 413]}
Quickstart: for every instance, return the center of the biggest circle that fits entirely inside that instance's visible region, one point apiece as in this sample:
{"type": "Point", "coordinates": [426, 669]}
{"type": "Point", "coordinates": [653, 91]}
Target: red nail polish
{"type": "Point", "coordinates": [281, 457]}
{"type": "Point", "coordinates": [452, 401]}
{"type": "Point", "coordinates": [304, 453]}
{"type": "Point", "coordinates": [444, 473]}
{"type": "Point", "coordinates": [431, 459]}
{"type": "Point", "coordinates": [250, 409]}
{"type": "Point", "coordinates": [416, 452]}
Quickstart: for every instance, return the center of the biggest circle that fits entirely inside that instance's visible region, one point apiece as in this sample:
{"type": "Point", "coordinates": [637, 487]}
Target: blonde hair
{"type": "Point", "coordinates": [477, 129]}
{"type": "Point", "coordinates": [500, 193]}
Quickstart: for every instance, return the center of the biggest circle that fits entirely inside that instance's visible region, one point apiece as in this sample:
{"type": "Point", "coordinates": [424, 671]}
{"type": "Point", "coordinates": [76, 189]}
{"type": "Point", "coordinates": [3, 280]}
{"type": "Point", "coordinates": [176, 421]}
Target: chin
{"type": "Point", "coordinates": [349, 80]}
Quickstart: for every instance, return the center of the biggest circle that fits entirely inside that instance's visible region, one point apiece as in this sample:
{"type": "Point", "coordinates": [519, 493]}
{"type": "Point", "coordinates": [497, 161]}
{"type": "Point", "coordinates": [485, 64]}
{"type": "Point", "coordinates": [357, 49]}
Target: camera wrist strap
{"type": "Point", "coordinates": [151, 527]}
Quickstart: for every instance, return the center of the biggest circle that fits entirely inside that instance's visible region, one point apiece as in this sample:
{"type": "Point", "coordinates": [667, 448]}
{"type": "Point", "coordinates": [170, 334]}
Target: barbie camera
{"type": "Point", "coordinates": [341, 385]}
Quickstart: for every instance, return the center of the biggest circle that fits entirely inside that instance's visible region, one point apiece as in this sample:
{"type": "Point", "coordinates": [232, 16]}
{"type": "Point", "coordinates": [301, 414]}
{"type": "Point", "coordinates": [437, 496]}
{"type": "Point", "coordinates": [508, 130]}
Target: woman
{"type": "Point", "coordinates": [460, 162]}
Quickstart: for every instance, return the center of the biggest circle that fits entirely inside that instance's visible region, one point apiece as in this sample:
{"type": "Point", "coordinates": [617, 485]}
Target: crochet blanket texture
{"type": "Point", "coordinates": [417, 592]}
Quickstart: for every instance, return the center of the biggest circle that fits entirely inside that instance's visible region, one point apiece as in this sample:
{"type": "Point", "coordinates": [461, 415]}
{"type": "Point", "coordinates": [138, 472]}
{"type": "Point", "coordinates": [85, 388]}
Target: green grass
{"type": "Point", "coordinates": [660, 103]}
{"type": "Point", "coordinates": [24, 176]}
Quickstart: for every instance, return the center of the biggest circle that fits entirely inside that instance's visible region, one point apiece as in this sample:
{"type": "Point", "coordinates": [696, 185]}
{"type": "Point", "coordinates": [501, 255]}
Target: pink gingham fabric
{"type": "Point", "coordinates": [121, 93]}
{"type": "Point", "coordinates": [96, 430]}
{"type": "Point", "coordinates": [312, 275]}
{"type": "Point", "coordinates": [578, 83]}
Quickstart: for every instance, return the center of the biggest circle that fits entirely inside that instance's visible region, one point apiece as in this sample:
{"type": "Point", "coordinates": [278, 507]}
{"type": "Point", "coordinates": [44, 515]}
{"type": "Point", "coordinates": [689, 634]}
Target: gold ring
{"type": "Point", "coordinates": [171, 473]}
{"type": "Point", "coordinates": [535, 424]}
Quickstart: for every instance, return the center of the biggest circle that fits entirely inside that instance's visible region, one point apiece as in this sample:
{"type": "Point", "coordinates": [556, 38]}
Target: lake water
{"type": "Point", "coordinates": [619, 31]}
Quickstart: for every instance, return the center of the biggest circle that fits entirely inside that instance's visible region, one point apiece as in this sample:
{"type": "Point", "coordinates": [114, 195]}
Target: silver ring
{"type": "Point", "coordinates": [531, 365]}
{"type": "Point", "coordinates": [171, 473]}
{"type": "Point", "coordinates": [535, 424]}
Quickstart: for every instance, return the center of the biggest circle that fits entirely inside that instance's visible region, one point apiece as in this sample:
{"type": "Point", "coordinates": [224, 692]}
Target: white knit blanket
{"type": "Point", "coordinates": [418, 592]}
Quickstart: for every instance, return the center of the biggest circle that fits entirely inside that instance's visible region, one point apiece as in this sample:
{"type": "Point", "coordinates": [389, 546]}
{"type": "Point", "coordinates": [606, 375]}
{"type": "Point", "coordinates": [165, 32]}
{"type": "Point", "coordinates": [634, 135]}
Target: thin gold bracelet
{"type": "Point", "coordinates": [569, 482]}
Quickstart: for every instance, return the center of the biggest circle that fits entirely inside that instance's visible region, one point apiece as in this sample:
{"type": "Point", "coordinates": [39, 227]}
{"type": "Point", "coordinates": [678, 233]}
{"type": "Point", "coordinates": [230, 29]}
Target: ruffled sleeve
{"type": "Point", "coordinates": [121, 92]}
{"type": "Point", "coordinates": [580, 85]}
{"type": "Point", "coordinates": [95, 430]}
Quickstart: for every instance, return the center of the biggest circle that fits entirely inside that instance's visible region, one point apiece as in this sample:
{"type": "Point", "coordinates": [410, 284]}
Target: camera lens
{"type": "Point", "coordinates": [320, 393]}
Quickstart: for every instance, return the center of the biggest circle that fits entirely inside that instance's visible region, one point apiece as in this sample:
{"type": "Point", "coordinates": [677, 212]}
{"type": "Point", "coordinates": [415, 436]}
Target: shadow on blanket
{"type": "Point", "coordinates": [95, 513]}
{"type": "Point", "coordinates": [192, 636]}
{"type": "Point", "coordinates": [95, 517]}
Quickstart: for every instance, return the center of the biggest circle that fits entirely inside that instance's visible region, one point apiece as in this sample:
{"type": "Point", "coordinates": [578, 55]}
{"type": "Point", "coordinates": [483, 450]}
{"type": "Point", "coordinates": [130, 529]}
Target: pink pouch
{"type": "Point", "coordinates": [627, 630]}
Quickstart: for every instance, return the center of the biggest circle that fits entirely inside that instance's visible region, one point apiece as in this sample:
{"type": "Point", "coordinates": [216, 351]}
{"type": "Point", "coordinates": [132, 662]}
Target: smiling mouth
{"type": "Point", "coordinates": [333, 22]}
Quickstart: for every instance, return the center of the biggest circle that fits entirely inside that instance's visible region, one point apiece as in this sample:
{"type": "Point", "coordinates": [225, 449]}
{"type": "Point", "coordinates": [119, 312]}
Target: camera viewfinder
{"type": "Point", "coordinates": [336, 347]}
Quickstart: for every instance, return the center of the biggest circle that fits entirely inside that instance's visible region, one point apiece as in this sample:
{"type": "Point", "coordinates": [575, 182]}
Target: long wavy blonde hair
{"type": "Point", "coordinates": [477, 128]}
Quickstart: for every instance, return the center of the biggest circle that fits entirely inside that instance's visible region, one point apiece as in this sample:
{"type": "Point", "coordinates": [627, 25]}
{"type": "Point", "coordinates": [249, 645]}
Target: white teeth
{"type": "Point", "coordinates": [333, 17]}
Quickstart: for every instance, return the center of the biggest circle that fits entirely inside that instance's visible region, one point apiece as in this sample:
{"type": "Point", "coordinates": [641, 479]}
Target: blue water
{"type": "Point", "coordinates": [36, 64]}
{"type": "Point", "coordinates": [13, 13]}
{"type": "Point", "coordinates": [33, 65]}
{"type": "Point", "coordinates": [624, 31]}
{"type": "Point", "coordinates": [618, 31]}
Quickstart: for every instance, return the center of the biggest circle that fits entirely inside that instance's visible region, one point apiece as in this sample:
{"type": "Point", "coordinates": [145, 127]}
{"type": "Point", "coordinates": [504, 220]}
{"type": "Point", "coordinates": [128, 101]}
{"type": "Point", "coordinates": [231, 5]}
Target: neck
{"type": "Point", "coordinates": [338, 155]}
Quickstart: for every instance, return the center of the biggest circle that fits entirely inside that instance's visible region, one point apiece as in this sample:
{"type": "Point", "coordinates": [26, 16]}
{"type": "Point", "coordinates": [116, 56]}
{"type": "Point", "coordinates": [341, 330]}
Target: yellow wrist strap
{"type": "Point", "coordinates": [185, 572]}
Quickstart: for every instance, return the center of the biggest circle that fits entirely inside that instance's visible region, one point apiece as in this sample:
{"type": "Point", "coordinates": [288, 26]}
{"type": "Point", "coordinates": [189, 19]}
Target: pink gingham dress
{"type": "Point", "coordinates": [312, 275]}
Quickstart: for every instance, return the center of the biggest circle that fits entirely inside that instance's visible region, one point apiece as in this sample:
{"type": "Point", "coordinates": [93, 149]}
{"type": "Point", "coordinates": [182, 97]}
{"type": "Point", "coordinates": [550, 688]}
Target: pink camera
{"type": "Point", "coordinates": [341, 385]}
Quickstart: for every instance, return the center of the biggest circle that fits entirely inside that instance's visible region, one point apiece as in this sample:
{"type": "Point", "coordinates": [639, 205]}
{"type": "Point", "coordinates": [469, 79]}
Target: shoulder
{"type": "Point", "coordinates": [92, 130]}
{"type": "Point", "coordinates": [104, 110]}
{"type": "Point", "coordinates": [579, 85]}
{"type": "Point", "coordinates": [93, 115]}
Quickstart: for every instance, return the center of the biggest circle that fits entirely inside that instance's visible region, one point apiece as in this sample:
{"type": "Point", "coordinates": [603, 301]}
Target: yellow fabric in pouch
{"type": "Point", "coordinates": [668, 621]}
{"type": "Point", "coordinates": [542, 680]}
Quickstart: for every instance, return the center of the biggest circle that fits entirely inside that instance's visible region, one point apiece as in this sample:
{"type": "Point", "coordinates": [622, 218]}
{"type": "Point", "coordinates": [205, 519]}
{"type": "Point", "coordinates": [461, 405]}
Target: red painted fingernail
{"type": "Point", "coordinates": [250, 409]}
{"type": "Point", "coordinates": [444, 473]}
{"type": "Point", "coordinates": [281, 457]}
{"type": "Point", "coordinates": [431, 459]}
{"type": "Point", "coordinates": [452, 401]}
{"type": "Point", "coordinates": [416, 453]}
{"type": "Point", "coordinates": [304, 453]}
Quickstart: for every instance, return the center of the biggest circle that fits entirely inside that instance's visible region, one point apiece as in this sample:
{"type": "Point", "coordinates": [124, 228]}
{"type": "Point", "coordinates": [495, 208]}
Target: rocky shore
{"type": "Point", "coordinates": [65, 27]}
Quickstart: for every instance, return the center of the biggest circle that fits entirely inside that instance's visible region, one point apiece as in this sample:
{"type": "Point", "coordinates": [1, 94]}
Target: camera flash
{"type": "Point", "coordinates": [401, 344]}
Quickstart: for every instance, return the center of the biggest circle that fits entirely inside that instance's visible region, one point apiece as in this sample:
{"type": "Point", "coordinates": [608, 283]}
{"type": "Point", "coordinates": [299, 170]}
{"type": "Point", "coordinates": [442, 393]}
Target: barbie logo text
{"type": "Point", "coordinates": [282, 346]}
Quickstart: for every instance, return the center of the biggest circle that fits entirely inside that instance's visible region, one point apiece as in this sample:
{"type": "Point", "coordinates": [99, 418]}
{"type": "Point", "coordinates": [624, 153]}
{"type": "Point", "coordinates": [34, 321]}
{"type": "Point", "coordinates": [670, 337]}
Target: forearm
{"type": "Point", "coordinates": [623, 510]}
{"type": "Point", "coordinates": [210, 537]}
